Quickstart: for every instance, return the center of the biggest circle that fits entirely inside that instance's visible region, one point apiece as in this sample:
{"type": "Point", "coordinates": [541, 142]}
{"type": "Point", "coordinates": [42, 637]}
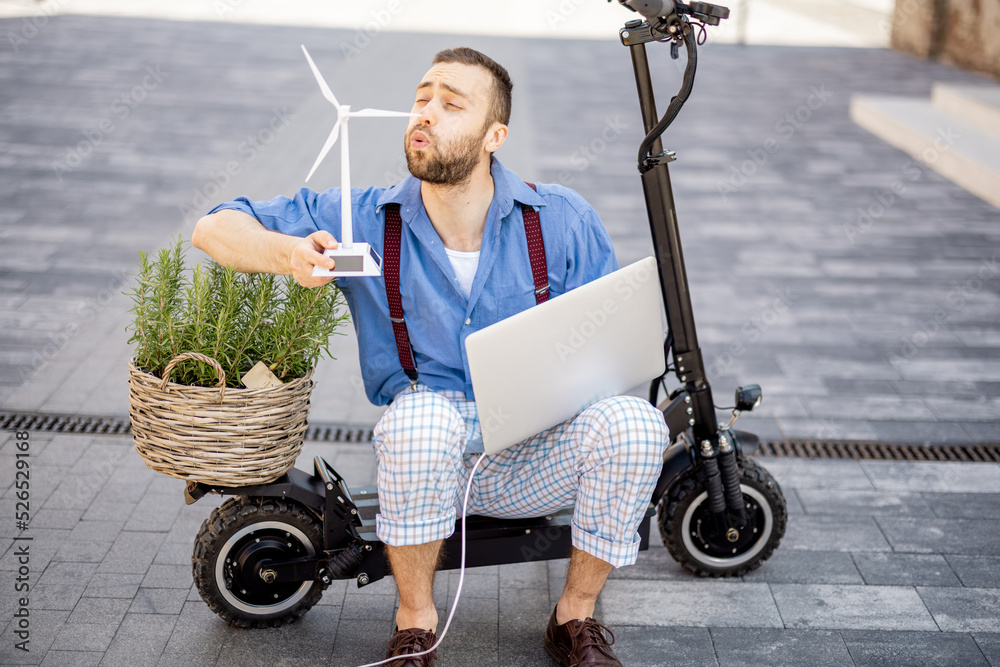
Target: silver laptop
{"type": "Point", "coordinates": [544, 365]}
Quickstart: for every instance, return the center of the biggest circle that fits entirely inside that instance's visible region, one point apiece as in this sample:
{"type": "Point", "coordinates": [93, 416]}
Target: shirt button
{"type": "Point", "coordinates": [468, 321]}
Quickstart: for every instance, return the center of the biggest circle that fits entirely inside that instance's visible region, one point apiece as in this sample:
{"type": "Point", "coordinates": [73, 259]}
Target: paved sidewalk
{"type": "Point", "coordinates": [883, 563]}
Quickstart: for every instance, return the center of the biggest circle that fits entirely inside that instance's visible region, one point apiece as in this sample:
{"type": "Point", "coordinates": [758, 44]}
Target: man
{"type": "Point", "coordinates": [464, 264]}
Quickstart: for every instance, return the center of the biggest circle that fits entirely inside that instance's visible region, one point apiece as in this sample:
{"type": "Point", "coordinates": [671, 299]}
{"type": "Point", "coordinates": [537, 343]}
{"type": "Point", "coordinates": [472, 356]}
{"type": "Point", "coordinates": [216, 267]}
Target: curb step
{"type": "Point", "coordinates": [956, 132]}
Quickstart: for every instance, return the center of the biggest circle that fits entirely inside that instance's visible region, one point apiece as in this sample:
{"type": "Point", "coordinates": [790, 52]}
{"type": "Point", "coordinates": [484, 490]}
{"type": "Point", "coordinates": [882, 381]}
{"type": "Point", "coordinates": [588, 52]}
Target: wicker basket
{"type": "Point", "coordinates": [230, 437]}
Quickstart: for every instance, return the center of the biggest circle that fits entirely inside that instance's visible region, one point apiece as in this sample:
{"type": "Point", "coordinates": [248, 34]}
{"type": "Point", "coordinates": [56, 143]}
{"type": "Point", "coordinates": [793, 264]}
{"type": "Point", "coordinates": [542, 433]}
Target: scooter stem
{"type": "Point", "coordinates": [690, 367]}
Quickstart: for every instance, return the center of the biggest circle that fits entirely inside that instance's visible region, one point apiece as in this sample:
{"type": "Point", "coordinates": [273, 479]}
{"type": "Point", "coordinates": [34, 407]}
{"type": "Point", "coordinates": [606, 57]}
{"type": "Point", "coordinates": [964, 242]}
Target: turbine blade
{"type": "Point", "coordinates": [330, 141]}
{"type": "Point", "coordinates": [379, 113]}
{"type": "Point", "coordinates": [325, 89]}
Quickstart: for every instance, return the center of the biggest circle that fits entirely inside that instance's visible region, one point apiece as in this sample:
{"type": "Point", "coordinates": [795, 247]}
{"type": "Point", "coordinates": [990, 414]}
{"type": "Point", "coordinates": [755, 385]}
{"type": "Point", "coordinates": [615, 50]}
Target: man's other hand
{"type": "Point", "coordinates": [309, 253]}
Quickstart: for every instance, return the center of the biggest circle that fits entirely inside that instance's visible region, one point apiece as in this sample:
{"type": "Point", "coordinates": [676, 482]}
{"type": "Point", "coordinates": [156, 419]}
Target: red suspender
{"type": "Point", "coordinates": [391, 239]}
{"type": "Point", "coordinates": [390, 270]}
{"type": "Point", "coordinates": [536, 251]}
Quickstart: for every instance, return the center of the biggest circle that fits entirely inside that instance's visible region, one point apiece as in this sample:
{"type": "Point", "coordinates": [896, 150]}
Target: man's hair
{"type": "Point", "coordinates": [499, 111]}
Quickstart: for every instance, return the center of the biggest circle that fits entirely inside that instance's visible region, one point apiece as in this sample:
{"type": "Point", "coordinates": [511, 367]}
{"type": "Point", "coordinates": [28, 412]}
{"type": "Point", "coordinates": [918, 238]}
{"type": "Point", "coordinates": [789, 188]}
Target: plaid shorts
{"type": "Point", "coordinates": [604, 463]}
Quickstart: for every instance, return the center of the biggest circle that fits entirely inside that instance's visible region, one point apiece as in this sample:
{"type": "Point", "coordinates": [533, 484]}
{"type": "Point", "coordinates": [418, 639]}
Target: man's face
{"type": "Point", "coordinates": [446, 142]}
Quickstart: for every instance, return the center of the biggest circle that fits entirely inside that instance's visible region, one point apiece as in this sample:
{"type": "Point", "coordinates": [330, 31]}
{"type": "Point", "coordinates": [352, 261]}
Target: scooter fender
{"type": "Point", "coordinates": [678, 458]}
{"type": "Point", "coordinates": [746, 443]}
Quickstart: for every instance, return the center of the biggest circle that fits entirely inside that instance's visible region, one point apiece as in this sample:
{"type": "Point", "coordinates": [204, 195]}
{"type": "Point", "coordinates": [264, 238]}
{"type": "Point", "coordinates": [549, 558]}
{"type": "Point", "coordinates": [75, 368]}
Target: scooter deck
{"type": "Point", "coordinates": [494, 541]}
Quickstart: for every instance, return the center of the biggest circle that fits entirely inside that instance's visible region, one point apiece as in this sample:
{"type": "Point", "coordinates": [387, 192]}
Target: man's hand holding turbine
{"type": "Point", "coordinates": [355, 259]}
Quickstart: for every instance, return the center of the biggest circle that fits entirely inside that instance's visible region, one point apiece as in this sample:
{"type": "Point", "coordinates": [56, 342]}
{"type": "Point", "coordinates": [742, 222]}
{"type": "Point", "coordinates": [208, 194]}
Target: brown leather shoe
{"type": "Point", "coordinates": [580, 643]}
{"type": "Point", "coordinates": [410, 641]}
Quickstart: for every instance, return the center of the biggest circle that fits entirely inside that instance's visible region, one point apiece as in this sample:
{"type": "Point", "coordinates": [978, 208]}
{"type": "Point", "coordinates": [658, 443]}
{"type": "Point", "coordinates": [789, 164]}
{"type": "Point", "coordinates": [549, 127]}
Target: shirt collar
{"type": "Point", "coordinates": [507, 188]}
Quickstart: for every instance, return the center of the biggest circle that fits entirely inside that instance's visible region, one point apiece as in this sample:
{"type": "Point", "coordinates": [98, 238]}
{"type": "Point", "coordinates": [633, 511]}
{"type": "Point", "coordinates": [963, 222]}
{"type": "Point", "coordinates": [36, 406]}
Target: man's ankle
{"type": "Point", "coordinates": [425, 619]}
{"type": "Point", "coordinates": [568, 610]}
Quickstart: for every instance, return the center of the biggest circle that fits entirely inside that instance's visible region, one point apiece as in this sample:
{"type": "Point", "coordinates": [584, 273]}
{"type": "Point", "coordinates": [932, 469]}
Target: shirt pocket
{"type": "Point", "coordinates": [513, 304]}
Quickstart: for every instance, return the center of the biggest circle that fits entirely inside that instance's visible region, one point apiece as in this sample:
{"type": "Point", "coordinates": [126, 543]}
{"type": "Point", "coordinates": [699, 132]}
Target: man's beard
{"type": "Point", "coordinates": [431, 165]}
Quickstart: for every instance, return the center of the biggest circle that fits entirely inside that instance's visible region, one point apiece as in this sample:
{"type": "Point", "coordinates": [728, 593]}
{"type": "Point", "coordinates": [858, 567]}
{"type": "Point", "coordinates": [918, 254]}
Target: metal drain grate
{"type": "Point", "coordinates": [52, 423]}
{"type": "Point", "coordinates": [121, 425]}
{"type": "Point", "coordinates": [335, 433]}
{"type": "Point", "coordinates": [851, 449]}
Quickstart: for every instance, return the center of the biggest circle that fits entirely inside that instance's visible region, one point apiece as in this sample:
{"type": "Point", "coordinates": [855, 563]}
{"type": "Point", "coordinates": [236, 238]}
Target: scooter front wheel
{"type": "Point", "coordinates": [233, 543]}
{"type": "Point", "coordinates": [689, 532]}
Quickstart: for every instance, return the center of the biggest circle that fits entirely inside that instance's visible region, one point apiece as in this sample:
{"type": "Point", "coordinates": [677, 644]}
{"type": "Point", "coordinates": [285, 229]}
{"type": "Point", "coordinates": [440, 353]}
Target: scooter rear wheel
{"type": "Point", "coordinates": [688, 529]}
{"type": "Point", "coordinates": [233, 542]}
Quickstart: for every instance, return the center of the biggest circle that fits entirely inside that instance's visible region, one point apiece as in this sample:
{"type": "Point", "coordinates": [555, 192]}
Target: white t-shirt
{"type": "Point", "coordinates": [465, 265]}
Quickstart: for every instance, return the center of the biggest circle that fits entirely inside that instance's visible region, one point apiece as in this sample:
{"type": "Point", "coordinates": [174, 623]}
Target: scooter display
{"type": "Point", "coordinates": [267, 553]}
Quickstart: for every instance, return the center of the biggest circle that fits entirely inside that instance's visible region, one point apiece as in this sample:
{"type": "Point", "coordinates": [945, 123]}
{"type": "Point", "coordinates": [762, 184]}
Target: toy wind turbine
{"type": "Point", "coordinates": [352, 259]}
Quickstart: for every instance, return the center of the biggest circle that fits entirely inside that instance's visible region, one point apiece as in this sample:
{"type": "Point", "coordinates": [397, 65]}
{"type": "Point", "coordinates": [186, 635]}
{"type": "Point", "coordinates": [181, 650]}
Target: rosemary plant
{"type": "Point", "coordinates": [236, 318]}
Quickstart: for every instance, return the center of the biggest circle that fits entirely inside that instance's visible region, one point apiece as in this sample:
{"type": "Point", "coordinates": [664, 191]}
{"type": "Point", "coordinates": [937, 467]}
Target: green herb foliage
{"type": "Point", "coordinates": [236, 318]}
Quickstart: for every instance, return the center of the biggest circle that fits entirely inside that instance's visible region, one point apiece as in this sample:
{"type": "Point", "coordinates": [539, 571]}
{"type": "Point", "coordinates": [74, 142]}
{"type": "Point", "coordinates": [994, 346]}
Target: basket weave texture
{"type": "Point", "coordinates": [217, 435]}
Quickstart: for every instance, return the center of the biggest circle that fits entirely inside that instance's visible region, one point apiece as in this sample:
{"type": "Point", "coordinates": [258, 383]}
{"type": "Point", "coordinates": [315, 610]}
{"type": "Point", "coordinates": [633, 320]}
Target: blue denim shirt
{"type": "Point", "coordinates": [438, 315]}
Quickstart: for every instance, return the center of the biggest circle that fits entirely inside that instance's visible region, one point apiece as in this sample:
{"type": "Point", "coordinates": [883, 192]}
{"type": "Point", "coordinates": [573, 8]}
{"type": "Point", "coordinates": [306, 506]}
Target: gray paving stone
{"type": "Point", "coordinates": [905, 569]}
{"type": "Point", "coordinates": [656, 647]}
{"type": "Point", "coordinates": [98, 611]}
{"type": "Point", "coordinates": [473, 643]}
{"type": "Point", "coordinates": [84, 637]}
{"type": "Point", "coordinates": [523, 575]}
{"type": "Point", "coordinates": [86, 552]}
{"type": "Point", "coordinates": [701, 603]}
{"type": "Point", "coordinates": [828, 533]}
{"type": "Point", "coordinates": [523, 616]}
{"type": "Point", "coordinates": [158, 601]}
{"type": "Point", "coordinates": [815, 474]}
{"type": "Point", "coordinates": [309, 640]}
{"type": "Point", "coordinates": [44, 628]}
{"type": "Point", "coordinates": [63, 450]}
{"type": "Point", "coordinates": [72, 659]}
{"type": "Point", "coordinates": [964, 609]}
{"type": "Point", "coordinates": [359, 642]}
{"type": "Point", "coordinates": [371, 607]}
{"type": "Point", "coordinates": [933, 476]}
{"type": "Point", "coordinates": [983, 431]}
{"type": "Point", "coordinates": [62, 519]}
{"type": "Point", "coordinates": [788, 566]}
{"type": "Point", "coordinates": [976, 571]}
{"type": "Point", "coordinates": [98, 528]}
{"type": "Point", "coordinates": [863, 503]}
{"type": "Point", "coordinates": [654, 563]}
{"type": "Point", "coordinates": [284, 654]}
{"type": "Point", "coordinates": [155, 513]}
{"type": "Point", "coordinates": [748, 647]}
{"type": "Point", "coordinates": [61, 597]}
{"type": "Point", "coordinates": [198, 632]}
{"type": "Point", "coordinates": [174, 553]}
{"type": "Point", "coordinates": [920, 432]}
{"type": "Point", "coordinates": [989, 644]}
{"type": "Point", "coordinates": [851, 607]}
{"type": "Point", "coordinates": [881, 648]}
{"type": "Point", "coordinates": [961, 536]}
{"type": "Point", "coordinates": [185, 660]}
{"type": "Point", "coordinates": [140, 640]}
{"type": "Point", "coordinates": [475, 585]}
{"type": "Point", "coordinates": [68, 573]}
{"type": "Point", "coordinates": [131, 553]}
{"type": "Point", "coordinates": [964, 505]}
{"type": "Point", "coordinates": [168, 576]}
{"type": "Point", "coordinates": [113, 585]}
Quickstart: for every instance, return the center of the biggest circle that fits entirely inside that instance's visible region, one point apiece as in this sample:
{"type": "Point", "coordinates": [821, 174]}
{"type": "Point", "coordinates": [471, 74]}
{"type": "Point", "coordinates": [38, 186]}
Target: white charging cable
{"type": "Point", "coordinates": [461, 577]}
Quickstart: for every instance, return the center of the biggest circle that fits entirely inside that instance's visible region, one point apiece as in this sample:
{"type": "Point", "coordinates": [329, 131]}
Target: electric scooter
{"type": "Point", "coordinates": [266, 554]}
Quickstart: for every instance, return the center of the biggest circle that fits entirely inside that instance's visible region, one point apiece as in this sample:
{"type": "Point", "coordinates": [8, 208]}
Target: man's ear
{"type": "Point", "coordinates": [495, 136]}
